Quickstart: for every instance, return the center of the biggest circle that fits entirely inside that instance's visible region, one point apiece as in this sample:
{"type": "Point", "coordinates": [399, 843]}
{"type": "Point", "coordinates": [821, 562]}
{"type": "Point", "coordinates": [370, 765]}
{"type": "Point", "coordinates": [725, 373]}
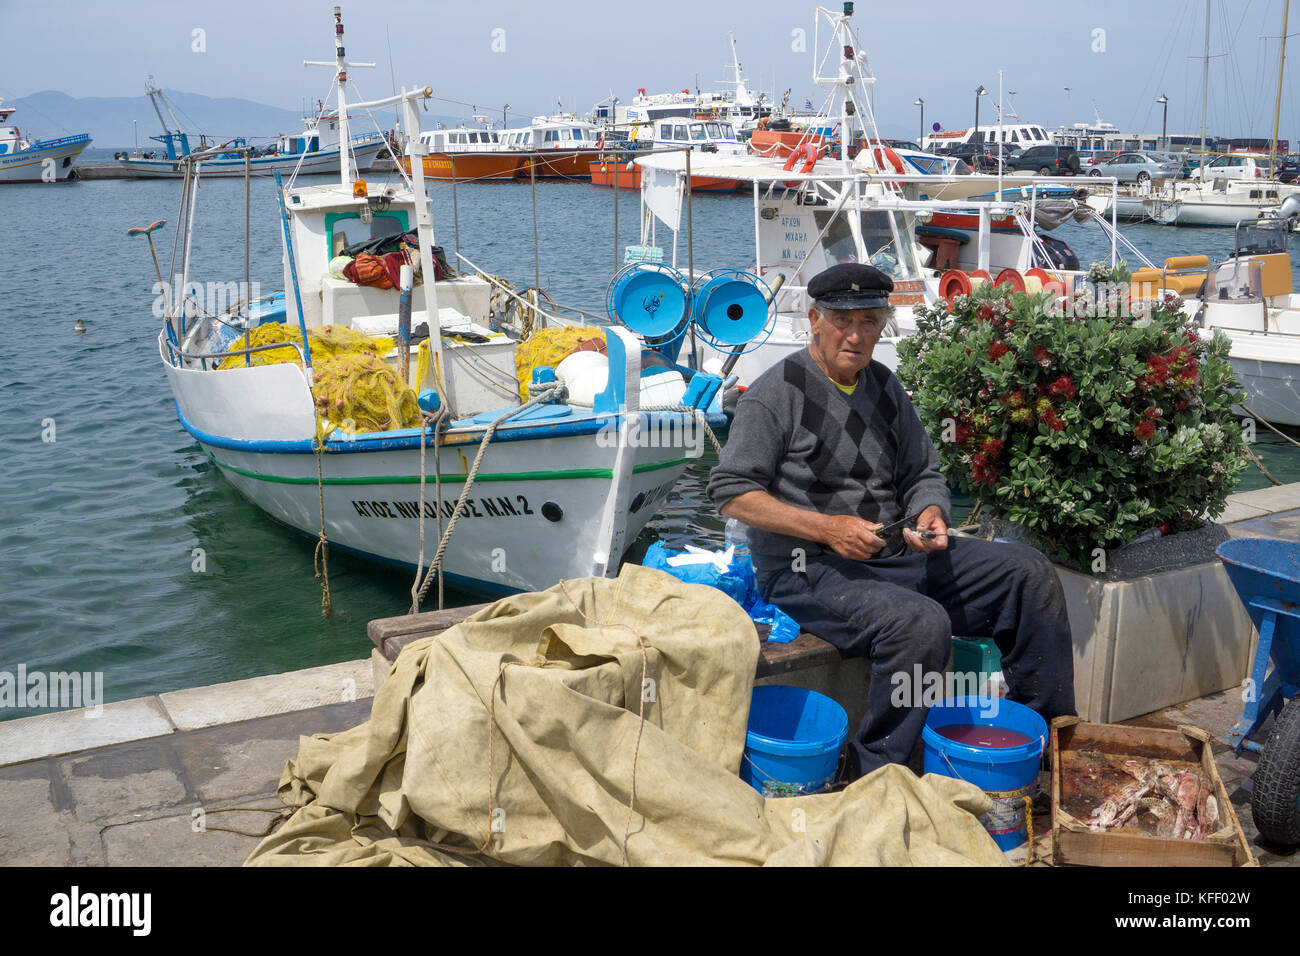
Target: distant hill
{"type": "Point", "coordinates": [50, 113]}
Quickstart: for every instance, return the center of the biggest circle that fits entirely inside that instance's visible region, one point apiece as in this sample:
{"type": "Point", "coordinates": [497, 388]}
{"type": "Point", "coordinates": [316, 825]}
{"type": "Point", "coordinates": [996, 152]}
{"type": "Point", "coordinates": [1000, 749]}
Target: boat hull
{"type": "Point", "coordinates": [471, 166]}
{"type": "Point", "coordinates": [324, 161]}
{"type": "Point", "coordinates": [564, 163]}
{"type": "Point", "coordinates": [629, 177]}
{"type": "Point", "coordinates": [44, 162]}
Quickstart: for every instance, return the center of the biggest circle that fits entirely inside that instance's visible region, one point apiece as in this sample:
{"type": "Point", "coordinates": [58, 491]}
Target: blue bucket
{"type": "Point", "coordinates": [794, 741]}
{"type": "Point", "coordinates": [1007, 774]}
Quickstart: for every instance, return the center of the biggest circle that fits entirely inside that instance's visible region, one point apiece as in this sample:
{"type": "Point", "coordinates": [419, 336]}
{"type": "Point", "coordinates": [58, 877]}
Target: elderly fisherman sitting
{"type": "Point", "coordinates": [824, 454]}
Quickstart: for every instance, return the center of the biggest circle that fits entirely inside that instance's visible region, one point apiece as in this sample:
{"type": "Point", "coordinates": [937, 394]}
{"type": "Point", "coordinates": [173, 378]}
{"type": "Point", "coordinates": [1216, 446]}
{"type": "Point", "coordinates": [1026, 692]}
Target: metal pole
{"type": "Point", "coordinates": [617, 163]}
{"type": "Point", "coordinates": [537, 262]}
{"type": "Point", "coordinates": [690, 245]}
{"type": "Point", "coordinates": [455, 205]}
{"type": "Point", "coordinates": [248, 242]}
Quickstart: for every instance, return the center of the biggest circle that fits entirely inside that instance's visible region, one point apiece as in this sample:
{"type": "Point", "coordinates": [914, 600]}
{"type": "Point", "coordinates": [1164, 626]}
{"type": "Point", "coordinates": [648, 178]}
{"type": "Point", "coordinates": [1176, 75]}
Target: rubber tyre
{"type": "Point", "coordinates": [1143, 176]}
{"type": "Point", "coordinates": [1094, 172]}
{"type": "Point", "coordinates": [1275, 804]}
{"type": "Point", "coordinates": [1044, 170]}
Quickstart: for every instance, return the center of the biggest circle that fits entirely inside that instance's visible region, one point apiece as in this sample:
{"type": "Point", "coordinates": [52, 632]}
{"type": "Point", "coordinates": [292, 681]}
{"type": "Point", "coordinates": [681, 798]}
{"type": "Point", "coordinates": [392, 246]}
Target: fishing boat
{"type": "Point", "coordinates": [711, 142]}
{"type": "Point", "coordinates": [812, 211]}
{"type": "Point", "coordinates": [314, 150]}
{"type": "Point", "coordinates": [470, 154]}
{"type": "Point", "coordinates": [557, 146]}
{"type": "Point", "coordinates": [41, 161]}
{"type": "Point", "coordinates": [499, 492]}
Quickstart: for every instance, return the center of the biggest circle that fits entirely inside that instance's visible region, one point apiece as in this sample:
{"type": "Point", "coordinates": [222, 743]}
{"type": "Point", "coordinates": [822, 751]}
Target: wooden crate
{"type": "Point", "coordinates": [1074, 843]}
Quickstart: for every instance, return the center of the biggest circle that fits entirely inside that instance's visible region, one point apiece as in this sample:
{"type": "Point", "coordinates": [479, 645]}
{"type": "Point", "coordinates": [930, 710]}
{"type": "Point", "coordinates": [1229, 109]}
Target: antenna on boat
{"type": "Point", "coordinates": [341, 67]}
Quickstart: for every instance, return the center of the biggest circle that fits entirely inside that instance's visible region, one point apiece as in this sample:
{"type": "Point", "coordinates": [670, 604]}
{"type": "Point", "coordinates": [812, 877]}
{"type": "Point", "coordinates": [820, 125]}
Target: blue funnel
{"type": "Point", "coordinates": [730, 308]}
{"type": "Point", "coordinates": [649, 298]}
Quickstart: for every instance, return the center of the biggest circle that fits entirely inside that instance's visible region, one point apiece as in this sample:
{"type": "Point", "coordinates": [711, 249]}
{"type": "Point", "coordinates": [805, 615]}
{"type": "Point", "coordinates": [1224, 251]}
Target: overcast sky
{"type": "Point", "coordinates": [1119, 54]}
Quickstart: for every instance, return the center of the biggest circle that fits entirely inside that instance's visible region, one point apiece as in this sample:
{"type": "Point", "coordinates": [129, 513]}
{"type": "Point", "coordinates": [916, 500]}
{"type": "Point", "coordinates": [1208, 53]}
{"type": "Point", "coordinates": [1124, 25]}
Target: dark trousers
{"type": "Point", "coordinates": [903, 611]}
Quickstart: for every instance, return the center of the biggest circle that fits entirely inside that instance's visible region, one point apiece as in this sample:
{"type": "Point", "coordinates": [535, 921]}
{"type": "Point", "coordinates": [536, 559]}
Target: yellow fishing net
{"type": "Point", "coordinates": [354, 388]}
{"type": "Point", "coordinates": [549, 347]}
{"type": "Point", "coordinates": [326, 341]}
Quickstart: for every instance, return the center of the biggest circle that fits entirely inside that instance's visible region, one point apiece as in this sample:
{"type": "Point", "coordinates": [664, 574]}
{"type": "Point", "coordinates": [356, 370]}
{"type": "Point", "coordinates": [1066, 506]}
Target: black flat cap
{"type": "Point", "coordinates": [851, 285]}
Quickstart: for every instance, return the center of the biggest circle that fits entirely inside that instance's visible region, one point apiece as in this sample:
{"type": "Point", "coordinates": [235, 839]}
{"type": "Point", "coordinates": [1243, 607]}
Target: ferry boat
{"type": "Point", "coordinates": [469, 154]}
{"type": "Point", "coordinates": [40, 161]}
{"type": "Point", "coordinates": [555, 490]}
{"type": "Point", "coordinates": [314, 150]}
{"type": "Point", "coordinates": [555, 146]}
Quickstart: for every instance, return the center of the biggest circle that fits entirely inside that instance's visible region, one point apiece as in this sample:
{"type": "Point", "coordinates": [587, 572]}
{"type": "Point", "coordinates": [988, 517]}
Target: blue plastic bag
{"type": "Point", "coordinates": [734, 576]}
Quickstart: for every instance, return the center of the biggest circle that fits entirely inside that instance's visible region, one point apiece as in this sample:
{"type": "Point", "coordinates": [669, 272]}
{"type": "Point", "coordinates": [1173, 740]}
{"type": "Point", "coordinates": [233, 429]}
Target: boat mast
{"type": "Point", "coordinates": [1205, 84]}
{"type": "Point", "coordinates": [341, 76]}
{"type": "Point", "coordinates": [1277, 109]}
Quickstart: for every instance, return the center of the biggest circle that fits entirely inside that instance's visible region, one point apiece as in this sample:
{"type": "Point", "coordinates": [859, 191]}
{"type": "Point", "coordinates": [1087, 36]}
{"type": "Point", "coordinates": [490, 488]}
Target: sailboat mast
{"type": "Point", "coordinates": [1205, 81]}
{"type": "Point", "coordinates": [1277, 109]}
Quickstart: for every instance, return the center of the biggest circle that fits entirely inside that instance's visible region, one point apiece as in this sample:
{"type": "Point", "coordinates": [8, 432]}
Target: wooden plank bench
{"type": "Point", "coordinates": [391, 634]}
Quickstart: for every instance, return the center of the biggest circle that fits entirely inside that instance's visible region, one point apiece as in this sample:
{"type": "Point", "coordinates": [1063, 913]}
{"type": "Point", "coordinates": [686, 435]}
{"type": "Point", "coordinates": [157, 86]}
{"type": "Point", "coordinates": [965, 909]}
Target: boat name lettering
{"type": "Point", "coordinates": [796, 236]}
{"type": "Point", "coordinates": [501, 506]}
{"type": "Point", "coordinates": [791, 222]}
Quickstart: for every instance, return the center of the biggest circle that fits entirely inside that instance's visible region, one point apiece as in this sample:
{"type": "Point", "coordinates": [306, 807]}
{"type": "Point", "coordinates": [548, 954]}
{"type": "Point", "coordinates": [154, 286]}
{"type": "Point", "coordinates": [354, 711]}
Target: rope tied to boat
{"type": "Point", "coordinates": [698, 414]}
{"type": "Point", "coordinates": [438, 420]}
{"type": "Point", "coordinates": [435, 566]}
{"type": "Point", "coordinates": [321, 557]}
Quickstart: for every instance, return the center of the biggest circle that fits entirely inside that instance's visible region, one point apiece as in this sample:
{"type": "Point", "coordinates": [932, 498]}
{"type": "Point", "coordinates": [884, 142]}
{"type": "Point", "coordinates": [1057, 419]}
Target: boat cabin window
{"type": "Point", "coordinates": [346, 228]}
{"type": "Point", "coordinates": [877, 237]}
{"type": "Point", "coordinates": [577, 134]}
{"type": "Point", "coordinates": [727, 131]}
{"type": "Point", "coordinates": [679, 133]}
{"type": "Point", "coordinates": [697, 131]}
{"type": "Point", "coordinates": [1262, 238]}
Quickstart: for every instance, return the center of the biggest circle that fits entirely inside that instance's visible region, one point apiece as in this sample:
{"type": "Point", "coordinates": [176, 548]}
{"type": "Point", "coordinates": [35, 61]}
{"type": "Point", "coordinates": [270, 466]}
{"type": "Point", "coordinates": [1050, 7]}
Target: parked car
{"type": "Point", "coordinates": [1234, 166]}
{"type": "Point", "coordinates": [1047, 161]}
{"type": "Point", "coordinates": [974, 155]}
{"type": "Point", "coordinates": [1139, 167]}
{"type": "Point", "coordinates": [1288, 168]}
{"type": "Point", "coordinates": [1102, 156]}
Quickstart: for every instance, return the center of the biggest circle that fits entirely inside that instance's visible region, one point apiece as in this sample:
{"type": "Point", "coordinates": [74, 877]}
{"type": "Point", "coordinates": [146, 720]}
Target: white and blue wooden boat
{"type": "Point", "coordinates": [41, 161]}
{"type": "Point", "coordinates": [561, 490]}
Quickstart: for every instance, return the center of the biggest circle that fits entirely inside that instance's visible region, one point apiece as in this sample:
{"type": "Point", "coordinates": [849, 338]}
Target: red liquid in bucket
{"type": "Point", "coordinates": [981, 735]}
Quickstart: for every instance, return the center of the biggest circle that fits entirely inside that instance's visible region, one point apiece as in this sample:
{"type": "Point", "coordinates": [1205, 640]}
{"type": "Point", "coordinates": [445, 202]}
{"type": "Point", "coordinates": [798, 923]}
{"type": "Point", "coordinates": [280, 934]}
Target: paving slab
{"type": "Point", "coordinates": [130, 778]}
{"type": "Point", "coordinates": [1239, 511]}
{"type": "Point", "coordinates": [263, 696]}
{"type": "Point", "coordinates": [1283, 524]}
{"type": "Point", "coordinates": [194, 836]}
{"type": "Point", "coordinates": [69, 731]}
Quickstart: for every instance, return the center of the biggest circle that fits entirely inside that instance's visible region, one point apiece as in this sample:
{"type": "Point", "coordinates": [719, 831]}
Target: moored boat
{"type": "Point", "coordinates": [536, 488]}
{"type": "Point", "coordinates": [27, 161]}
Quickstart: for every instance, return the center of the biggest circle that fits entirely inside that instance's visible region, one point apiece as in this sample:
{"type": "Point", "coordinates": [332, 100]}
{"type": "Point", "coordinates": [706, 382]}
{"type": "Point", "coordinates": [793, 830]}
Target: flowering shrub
{"type": "Point", "coordinates": [1085, 425]}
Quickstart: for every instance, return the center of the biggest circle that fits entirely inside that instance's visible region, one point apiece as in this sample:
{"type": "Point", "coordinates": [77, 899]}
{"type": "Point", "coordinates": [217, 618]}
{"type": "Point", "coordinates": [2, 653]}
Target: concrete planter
{"type": "Point", "coordinates": [1161, 626]}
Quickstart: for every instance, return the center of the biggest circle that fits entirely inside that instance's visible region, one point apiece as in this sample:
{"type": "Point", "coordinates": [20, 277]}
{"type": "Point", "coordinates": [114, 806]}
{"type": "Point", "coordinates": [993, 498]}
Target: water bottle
{"type": "Point", "coordinates": [738, 536]}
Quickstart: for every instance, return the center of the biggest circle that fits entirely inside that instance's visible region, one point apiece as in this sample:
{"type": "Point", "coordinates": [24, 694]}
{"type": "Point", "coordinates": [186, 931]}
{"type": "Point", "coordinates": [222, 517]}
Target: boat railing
{"type": "Point", "coordinates": [61, 141]}
{"type": "Point", "coordinates": [229, 353]}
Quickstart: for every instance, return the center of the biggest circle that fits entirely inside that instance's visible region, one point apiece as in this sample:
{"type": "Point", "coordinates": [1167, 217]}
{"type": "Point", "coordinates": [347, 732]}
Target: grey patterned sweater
{"type": "Point", "coordinates": [802, 440]}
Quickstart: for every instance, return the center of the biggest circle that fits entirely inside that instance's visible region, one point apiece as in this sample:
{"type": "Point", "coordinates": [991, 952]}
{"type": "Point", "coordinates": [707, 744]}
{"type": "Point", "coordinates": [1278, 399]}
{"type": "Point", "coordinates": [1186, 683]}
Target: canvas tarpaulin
{"type": "Point", "coordinates": [515, 737]}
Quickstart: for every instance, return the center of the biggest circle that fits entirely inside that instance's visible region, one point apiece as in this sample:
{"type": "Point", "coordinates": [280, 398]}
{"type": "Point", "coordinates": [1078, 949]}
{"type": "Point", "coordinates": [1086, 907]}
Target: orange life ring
{"type": "Point", "coordinates": [810, 154]}
{"type": "Point", "coordinates": [1012, 278]}
{"type": "Point", "coordinates": [883, 153]}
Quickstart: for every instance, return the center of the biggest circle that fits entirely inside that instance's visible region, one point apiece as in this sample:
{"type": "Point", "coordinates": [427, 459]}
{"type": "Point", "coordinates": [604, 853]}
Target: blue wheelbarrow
{"type": "Point", "coordinates": [1266, 574]}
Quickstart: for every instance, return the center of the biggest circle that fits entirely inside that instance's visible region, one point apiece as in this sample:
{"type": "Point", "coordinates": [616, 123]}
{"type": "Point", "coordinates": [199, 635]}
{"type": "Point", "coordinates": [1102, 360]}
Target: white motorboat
{"type": "Point", "coordinates": [40, 161]}
{"type": "Point", "coordinates": [537, 490]}
{"type": "Point", "coordinates": [1250, 298]}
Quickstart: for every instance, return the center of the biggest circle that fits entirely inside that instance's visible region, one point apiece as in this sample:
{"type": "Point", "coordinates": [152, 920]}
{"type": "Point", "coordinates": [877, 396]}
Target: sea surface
{"type": "Point", "coordinates": [107, 504]}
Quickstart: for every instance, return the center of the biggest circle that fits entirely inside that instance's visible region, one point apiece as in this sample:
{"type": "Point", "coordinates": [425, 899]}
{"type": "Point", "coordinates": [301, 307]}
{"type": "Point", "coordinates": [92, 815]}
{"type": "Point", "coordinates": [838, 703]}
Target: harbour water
{"type": "Point", "coordinates": [123, 551]}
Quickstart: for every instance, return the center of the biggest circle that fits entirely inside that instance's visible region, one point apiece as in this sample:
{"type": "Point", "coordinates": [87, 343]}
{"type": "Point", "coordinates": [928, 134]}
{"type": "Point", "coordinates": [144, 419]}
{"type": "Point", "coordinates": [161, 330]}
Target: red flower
{"type": "Point", "coordinates": [993, 447]}
{"type": "Point", "coordinates": [1145, 430]}
{"type": "Point", "coordinates": [1043, 357]}
{"type": "Point", "coordinates": [1063, 387]}
{"type": "Point", "coordinates": [998, 349]}
{"type": "Point", "coordinates": [986, 313]}
{"type": "Point", "coordinates": [1152, 413]}
{"type": "Point", "coordinates": [1056, 424]}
